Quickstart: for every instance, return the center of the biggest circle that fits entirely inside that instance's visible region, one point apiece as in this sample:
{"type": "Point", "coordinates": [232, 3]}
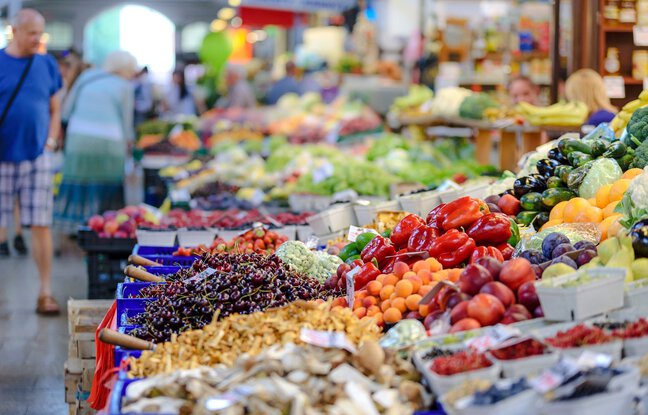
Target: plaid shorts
{"type": "Point", "coordinates": [31, 183]}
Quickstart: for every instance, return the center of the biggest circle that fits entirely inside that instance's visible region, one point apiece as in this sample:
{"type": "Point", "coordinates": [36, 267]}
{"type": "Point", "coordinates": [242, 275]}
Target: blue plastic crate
{"type": "Point", "coordinates": [171, 260]}
{"type": "Point", "coordinates": [163, 270]}
{"type": "Point", "coordinates": [120, 352]}
{"type": "Point", "coordinates": [130, 289]}
{"type": "Point", "coordinates": [154, 250]}
{"type": "Point", "coordinates": [128, 312]}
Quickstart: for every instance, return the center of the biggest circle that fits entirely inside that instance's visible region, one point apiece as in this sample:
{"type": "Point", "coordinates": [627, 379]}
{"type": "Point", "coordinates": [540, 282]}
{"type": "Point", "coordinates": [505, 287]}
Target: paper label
{"type": "Point", "coordinates": [495, 336]}
{"type": "Point", "coordinates": [553, 377]}
{"type": "Point", "coordinates": [355, 231]}
{"type": "Point", "coordinates": [615, 86]}
{"type": "Point", "coordinates": [350, 286]}
{"type": "Point", "coordinates": [201, 276]}
{"type": "Point", "coordinates": [329, 339]}
{"type": "Point", "coordinates": [640, 35]}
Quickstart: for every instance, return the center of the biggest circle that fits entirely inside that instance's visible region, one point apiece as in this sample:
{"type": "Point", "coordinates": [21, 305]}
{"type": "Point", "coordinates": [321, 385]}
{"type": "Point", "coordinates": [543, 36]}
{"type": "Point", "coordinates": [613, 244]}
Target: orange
{"type": "Point", "coordinates": [412, 302]}
{"type": "Point", "coordinates": [373, 310]}
{"type": "Point", "coordinates": [360, 312]}
{"type": "Point", "coordinates": [618, 189]}
{"type": "Point", "coordinates": [404, 288]}
{"type": "Point", "coordinates": [609, 209]}
{"type": "Point", "coordinates": [399, 303]}
{"type": "Point", "coordinates": [434, 264]}
{"type": "Point", "coordinates": [394, 295]}
{"type": "Point", "coordinates": [374, 287]}
{"type": "Point", "coordinates": [409, 274]}
{"type": "Point", "coordinates": [425, 275]}
{"type": "Point", "coordinates": [359, 295]}
{"type": "Point", "coordinates": [592, 214]}
{"type": "Point", "coordinates": [424, 310]}
{"type": "Point", "coordinates": [369, 301]}
{"type": "Point", "coordinates": [385, 305]}
{"type": "Point", "coordinates": [421, 265]}
{"type": "Point", "coordinates": [615, 226]}
{"type": "Point", "coordinates": [381, 278]}
{"type": "Point", "coordinates": [603, 196]}
{"type": "Point", "coordinates": [557, 211]}
{"type": "Point", "coordinates": [386, 291]}
{"type": "Point", "coordinates": [416, 282]}
{"type": "Point", "coordinates": [632, 173]}
{"type": "Point", "coordinates": [424, 289]}
{"type": "Point", "coordinates": [379, 318]}
{"type": "Point", "coordinates": [400, 268]}
{"type": "Point", "coordinates": [551, 223]}
{"type": "Point", "coordinates": [390, 279]}
{"type": "Point", "coordinates": [392, 315]}
{"type": "Point", "coordinates": [573, 208]}
{"type": "Point", "coordinates": [604, 226]}
{"type": "Point", "coordinates": [592, 201]}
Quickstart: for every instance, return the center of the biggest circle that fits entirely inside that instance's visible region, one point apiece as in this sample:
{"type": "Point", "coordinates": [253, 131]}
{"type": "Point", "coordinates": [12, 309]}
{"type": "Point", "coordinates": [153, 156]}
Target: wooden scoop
{"type": "Point", "coordinates": [139, 260]}
{"type": "Point", "coordinates": [126, 341]}
{"type": "Point", "coordinates": [141, 275]}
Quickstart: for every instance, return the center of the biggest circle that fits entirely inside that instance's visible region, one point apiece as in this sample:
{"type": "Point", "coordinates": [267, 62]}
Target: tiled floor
{"type": "Point", "coordinates": [33, 348]}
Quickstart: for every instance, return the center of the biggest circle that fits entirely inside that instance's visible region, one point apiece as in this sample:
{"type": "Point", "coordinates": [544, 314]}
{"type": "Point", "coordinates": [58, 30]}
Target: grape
{"type": "Point", "coordinates": [533, 256]}
{"type": "Point", "coordinates": [585, 257]}
{"type": "Point", "coordinates": [584, 245]}
{"type": "Point", "coordinates": [561, 250]}
{"type": "Point", "coordinates": [565, 260]}
{"type": "Point", "coordinates": [551, 241]}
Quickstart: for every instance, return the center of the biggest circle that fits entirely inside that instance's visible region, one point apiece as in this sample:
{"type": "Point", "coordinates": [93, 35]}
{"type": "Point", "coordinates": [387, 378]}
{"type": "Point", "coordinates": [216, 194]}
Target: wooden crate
{"type": "Point", "coordinates": [92, 312]}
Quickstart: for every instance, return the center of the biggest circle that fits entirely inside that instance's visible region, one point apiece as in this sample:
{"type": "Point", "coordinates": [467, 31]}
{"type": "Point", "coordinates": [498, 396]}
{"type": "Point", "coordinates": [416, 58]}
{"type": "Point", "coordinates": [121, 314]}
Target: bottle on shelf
{"type": "Point", "coordinates": [612, 64]}
{"type": "Point", "coordinates": [611, 11]}
{"type": "Point", "coordinates": [628, 12]}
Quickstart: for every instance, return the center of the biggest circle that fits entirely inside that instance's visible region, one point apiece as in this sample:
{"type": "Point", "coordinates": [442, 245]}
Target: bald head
{"type": "Point", "coordinates": [28, 26]}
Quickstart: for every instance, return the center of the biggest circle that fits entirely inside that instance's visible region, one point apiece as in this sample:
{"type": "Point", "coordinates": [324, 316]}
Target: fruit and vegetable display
{"type": "Point", "coordinates": [122, 223]}
{"type": "Point", "coordinates": [560, 114]}
{"type": "Point", "coordinates": [168, 137]}
{"type": "Point", "coordinates": [258, 240]}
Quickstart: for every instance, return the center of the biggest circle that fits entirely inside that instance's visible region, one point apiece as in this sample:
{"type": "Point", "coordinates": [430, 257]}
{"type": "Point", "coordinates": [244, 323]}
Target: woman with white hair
{"type": "Point", "coordinates": [99, 117]}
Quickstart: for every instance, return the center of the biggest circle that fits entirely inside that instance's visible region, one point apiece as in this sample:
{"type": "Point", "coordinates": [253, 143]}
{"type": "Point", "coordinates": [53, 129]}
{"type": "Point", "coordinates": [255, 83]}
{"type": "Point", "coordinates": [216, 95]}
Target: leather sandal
{"type": "Point", "coordinates": [47, 305]}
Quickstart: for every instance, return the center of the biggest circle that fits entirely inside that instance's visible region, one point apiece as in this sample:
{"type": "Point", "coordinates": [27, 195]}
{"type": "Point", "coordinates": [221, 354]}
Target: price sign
{"type": "Point", "coordinates": [495, 336]}
{"type": "Point", "coordinates": [329, 339]}
{"type": "Point", "coordinates": [640, 35]}
{"type": "Point", "coordinates": [201, 276]}
{"type": "Point", "coordinates": [355, 231]}
{"type": "Point", "coordinates": [350, 286]}
{"type": "Point", "coordinates": [553, 377]}
{"type": "Point", "coordinates": [615, 86]}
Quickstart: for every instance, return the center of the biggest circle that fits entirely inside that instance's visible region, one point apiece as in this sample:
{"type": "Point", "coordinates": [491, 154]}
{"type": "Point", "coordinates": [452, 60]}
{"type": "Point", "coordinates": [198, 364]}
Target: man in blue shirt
{"type": "Point", "coordinates": [29, 114]}
{"type": "Point", "coordinates": [287, 84]}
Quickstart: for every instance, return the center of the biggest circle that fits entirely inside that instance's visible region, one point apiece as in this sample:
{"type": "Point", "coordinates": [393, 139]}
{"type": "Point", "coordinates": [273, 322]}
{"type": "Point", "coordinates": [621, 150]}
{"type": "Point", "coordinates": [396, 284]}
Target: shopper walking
{"type": "Point", "coordinates": [99, 115]}
{"type": "Point", "coordinates": [287, 84]}
{"type": "Point", "coordinates": [587, 86]}
{"type": "Point", "coordinates": [29, 114]}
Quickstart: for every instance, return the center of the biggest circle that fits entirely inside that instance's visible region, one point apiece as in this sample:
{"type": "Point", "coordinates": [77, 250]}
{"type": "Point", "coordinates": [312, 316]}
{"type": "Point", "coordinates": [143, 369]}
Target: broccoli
{"type": "Point", "coordinates": [637, 128]}
{"type": "Point", "coordinates": [641, 156]}
{"type": "Point", "coordinates": [474, 105]}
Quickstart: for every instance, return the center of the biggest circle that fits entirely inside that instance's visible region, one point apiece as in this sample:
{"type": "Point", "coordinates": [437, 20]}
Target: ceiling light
{"type": "Point", "coordinates": [226, 13]}
{"type": "Point", "coordinates": [236, 22]}
{"type": "Point", "coordinates": [218, 25]}
{"type": "Point", "coordinates": [234, 3]}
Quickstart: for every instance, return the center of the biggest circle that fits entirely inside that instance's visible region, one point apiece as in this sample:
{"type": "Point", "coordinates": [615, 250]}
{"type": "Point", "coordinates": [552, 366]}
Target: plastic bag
{"type": "Point", "coordinates": [574, 231]}
{"type": "Point", "coordinates": [603, 132]}
{"type": "Point", "coordinates": [404, 334]}
{"type": "Point", "coordinates": [603, 171]}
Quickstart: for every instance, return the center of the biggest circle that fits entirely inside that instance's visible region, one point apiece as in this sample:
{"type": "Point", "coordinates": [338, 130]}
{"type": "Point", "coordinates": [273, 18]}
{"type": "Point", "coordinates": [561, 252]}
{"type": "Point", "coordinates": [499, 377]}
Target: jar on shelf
{"type": "Point", "coordinates": [611, 11]}
{"type": "Point", "coordinates": [612, 64]}
{"type": "Point", "coordinates": [640, 64]}
{"type": "Point", "coordinates": [628, 12]}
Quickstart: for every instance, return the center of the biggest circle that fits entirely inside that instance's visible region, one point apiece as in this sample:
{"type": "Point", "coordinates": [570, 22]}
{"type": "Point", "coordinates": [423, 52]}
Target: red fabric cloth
{"type": "Point", "coordinates": [104, 362]}
{"type": "Point", "coordinates": [259, 17]}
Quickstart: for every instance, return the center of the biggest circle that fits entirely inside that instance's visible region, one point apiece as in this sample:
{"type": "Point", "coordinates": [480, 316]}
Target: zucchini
{"type": "Point", "coordinates": [625, 161]}
{"type": "Point", "coordinates": [562, 172]}
{"type": "Point", "coordinates": [525, 217]}
{"type": "Point", "coordinates": [551, 197]}
{"type": "Point", "coordinates": [531, 201]}
{"type": "Point", "coordinates": [540, 219]}
{"type": "Point", "coordinates": [554, 182]}
{"type": "Point", "coordinates": [598, 147]}
{"type": "Point", "coordinates": [615, 150]}
{"type": "Point", "coordinates": [569, 145]}
{"type": "Point", "coordinates": [578, 158]}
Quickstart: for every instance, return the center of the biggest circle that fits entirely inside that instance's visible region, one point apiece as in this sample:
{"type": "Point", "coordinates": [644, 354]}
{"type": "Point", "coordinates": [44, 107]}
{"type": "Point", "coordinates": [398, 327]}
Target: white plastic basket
{"type": "Point", "coordinates": [193, 238]}
{"type": "Point", "coordinates": [608, 403]}
{"type": "Point", "coordinates": [527, 403]}
{"type": "Point", "coordinates": [420, 203]}
{"type": "Point", "coordinates": [441, 385]}
{"type": "Point", "coordinates": [289, 231]}
{"type": "Point", "coordinates": [526, 366]}
{"type": "Point", "coordinates": [636, 346]}
{"type": "Point", "coordinates": [366, 214]}
{"type": "Point", "coordinates": [325, 238]}
{"type": "Point", "coordinates": [613, 349]}
{"type": "Point", "coordinates": [634, 295]}
{"type": "Point", "coordinates": [155, 238]}
{"type": "Point", "coordinates": [308, 203]}
{"type": "Point", "coordinates": [602, 294]}
{"type": "Point", "coordinates": [334, 219]}
{"type": "Point", "coordinates": [304, 232]}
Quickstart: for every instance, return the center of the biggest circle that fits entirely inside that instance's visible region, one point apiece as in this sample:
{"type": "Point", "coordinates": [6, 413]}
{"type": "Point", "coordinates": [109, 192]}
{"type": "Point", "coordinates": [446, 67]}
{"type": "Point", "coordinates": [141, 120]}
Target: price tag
{"type": "Point", "coordinates": [614, 86]}
{"type": "Point", "coordinates": [588, 360]}
{"type": "Point", "coordinates": [323, 172]}
{"type": "Point", "coordinates": [350, 286]}
{"type": "Point", "coordinates": [329, 339]}
{"type": "Point", "coordinates": [553, 377]}
{"type": "Point", "coordinates": [640, 35]}
{"type": "Point", "coordinates": [495, 336]}
{"type": "Point", "coordinates": [201, 276]}
{"type": "Point", "coordinates": [355, 231]}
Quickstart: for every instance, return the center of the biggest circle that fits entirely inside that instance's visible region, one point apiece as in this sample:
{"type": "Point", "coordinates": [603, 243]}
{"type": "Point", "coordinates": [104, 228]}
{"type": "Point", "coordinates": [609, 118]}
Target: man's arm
{"type": "Point", "coordinates": [55, 122]}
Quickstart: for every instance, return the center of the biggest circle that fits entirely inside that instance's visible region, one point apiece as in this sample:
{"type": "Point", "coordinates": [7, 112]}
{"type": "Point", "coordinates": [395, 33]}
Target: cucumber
{"type": "Point", "coordinates": [615, 150]}
{"type": "Point", "coordinates": [569, 145]}
{"type": "Point", "coordinates": [578, 158]}
{"type": "Point", "coordinates": [554, 182]}
{"type": "Point", "coordinates": [531, 201]}
{"type": "Point", "coordinates": [551, 197]}
{"type": "Point", "coordinates": [563, 172]}
{"type": "Point", "coordinates": [525, 217]}
{"type": "Point", "coordinates": [598, 147]}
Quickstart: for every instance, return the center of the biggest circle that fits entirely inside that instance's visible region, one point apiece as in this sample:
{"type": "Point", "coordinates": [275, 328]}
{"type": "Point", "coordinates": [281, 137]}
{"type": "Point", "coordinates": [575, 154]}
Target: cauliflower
{"type": "Point", "coordinates": [634, 204]}
{"type": "Point", "coordinates": [324, 266]}
{"type": "Point", "coordinates": [296, 256]}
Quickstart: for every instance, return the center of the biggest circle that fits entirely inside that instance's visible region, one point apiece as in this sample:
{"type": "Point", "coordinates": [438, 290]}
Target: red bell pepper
{"type": "Point", "coordinates": [462, 213]}
{"type": "Point", "coordinates": [507, 250]}
{"type": "Point", "coordinates": [491, 229]}
{"type": "Point", "coordinates": [368, 272]}
{"type": "Point", "coordinates": [343, 269]}
{"type": "Point", "coordinates": [433, 218]}
{"type": "Point", "coordinates": [403, 229]}
{"type": "Point", "coordinates": [421, 238]}
{"type": "Point", "coordinates": [482, 251]}
{"type": "Point", "coordinates": [452, 248]}
{"type": "Point", "coordinates": [379, 248]}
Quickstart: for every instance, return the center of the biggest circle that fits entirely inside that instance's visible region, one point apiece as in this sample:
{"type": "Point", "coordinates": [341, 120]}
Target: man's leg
{"type": "Point", "coordinates": [42, 252]}
{"type": "Point", "coordinates": [19, 242]}
{"type": "Point", "coordinates": [7, 198]}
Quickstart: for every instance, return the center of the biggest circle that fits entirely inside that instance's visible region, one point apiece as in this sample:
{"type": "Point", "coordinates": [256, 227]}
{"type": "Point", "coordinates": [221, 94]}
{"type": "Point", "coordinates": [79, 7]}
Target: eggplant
{"type": "Point", "coordinates": [615, 150]}
{"type": "Point", "coordinates": [639, 234]}
{"type": "Point", "coordinates": [526, 184]}
{"type": "Point", "coordinates": [546, 167]}
{"type": "Point", "coordinates": [539, 221]}
{"type": "Point", "coordinates": [555, 154]}
{"type": "Point", "coordinates": [598, 147]}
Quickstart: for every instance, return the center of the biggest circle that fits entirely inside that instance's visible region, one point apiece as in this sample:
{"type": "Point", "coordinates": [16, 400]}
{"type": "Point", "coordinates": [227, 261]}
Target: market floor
{"type": "Point", "coordinates": [33, 349]}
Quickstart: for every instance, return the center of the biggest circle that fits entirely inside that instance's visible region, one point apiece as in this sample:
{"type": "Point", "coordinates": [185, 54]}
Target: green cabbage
{"type": "Point", "coordinates": [603, 171]}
